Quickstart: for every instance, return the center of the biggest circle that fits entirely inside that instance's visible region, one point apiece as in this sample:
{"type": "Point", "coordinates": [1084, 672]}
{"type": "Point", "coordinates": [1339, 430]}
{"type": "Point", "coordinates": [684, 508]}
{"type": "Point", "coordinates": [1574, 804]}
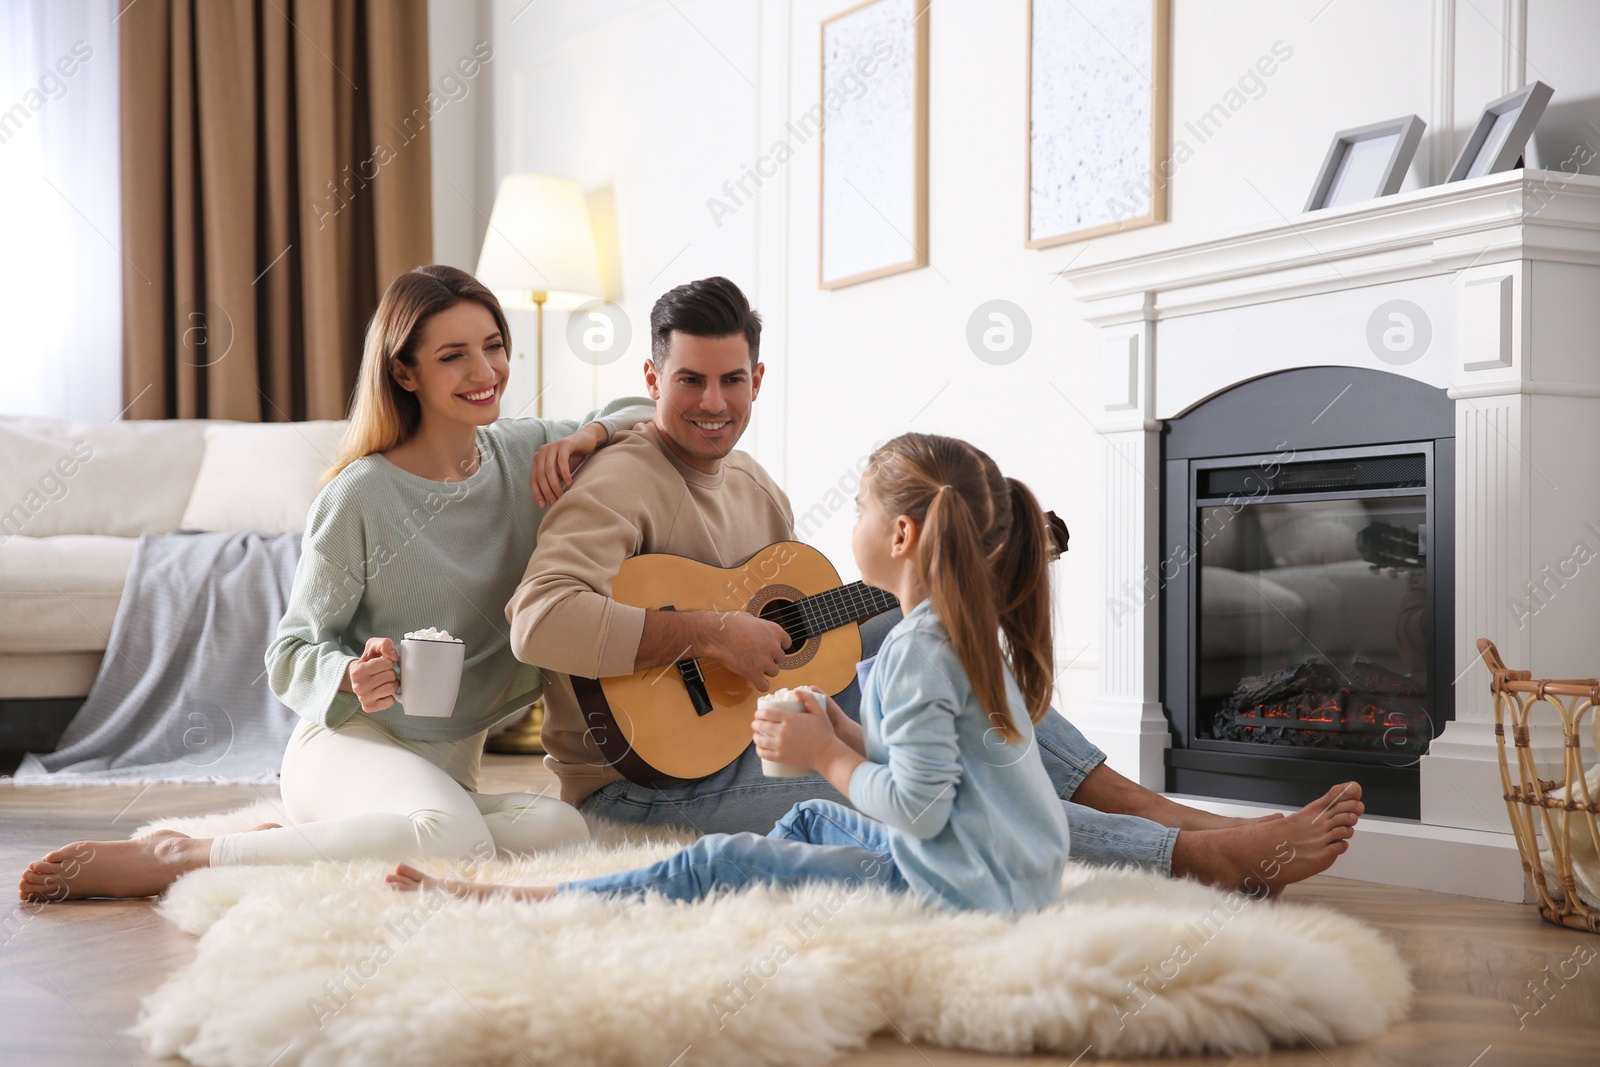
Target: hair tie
{"type": "Point", "coordinates": [942, 488]}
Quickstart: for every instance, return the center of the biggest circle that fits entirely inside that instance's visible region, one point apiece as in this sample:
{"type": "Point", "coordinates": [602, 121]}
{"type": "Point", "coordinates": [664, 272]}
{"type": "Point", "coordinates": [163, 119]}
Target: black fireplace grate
{"type": "Point", "coordinates": [1404, 471]}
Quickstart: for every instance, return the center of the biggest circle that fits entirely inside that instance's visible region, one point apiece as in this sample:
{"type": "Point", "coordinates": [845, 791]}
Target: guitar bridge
{"type": "Point", "coordinates": [693, 681]}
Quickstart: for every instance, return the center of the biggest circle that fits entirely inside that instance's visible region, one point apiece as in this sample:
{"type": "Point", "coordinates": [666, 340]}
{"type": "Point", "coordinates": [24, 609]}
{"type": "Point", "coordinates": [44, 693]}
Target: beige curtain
{"type": "Point", "coordinates": [275, 176]}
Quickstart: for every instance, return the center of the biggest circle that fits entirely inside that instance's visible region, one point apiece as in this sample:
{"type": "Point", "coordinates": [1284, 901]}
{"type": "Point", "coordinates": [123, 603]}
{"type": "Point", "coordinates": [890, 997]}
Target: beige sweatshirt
{"type": "Point", "coordinates": [630, 498]}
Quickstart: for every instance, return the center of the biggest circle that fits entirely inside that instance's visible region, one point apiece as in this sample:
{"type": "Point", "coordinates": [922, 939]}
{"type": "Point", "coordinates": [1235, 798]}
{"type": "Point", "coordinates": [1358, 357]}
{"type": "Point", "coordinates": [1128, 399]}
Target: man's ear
{"type": "Point", "coordinates": [652, 379]}
{"type": "Point", "coordinates": [755, 380]}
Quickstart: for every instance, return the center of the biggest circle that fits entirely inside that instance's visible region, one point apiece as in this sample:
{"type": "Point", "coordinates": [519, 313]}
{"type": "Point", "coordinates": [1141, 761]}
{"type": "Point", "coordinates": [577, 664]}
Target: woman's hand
{"type": "Point", "coordinates": [554, 463]}
{"type": "Point", "coordinates": [372, 677]}
{"type": "Point", "coordinates": [800, 739]}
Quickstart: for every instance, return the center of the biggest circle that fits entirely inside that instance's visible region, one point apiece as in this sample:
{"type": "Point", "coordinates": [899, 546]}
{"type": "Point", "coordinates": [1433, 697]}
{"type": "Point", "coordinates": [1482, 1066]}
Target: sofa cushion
{"type": "Point", "coordinates": [59, 594]}
{"type": "Point", "coordinates": [48, 675]}
{"type": "Point", "coordinates": [261, 476]}
{"type": "Point", "coordinates": [121, 479]}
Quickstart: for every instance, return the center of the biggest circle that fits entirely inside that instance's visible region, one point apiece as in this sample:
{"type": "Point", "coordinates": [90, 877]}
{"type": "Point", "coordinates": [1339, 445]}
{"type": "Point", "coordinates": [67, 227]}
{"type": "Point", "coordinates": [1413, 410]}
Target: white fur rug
{"type": "Point", "coordinates": [326, 965]}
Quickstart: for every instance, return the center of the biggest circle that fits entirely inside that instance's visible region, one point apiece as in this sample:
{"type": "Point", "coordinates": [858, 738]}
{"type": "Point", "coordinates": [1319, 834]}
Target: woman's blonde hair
{"type": "Point", "coordinates": [383, 414]}
{"type": "Point", "coordinates": [983, 559]}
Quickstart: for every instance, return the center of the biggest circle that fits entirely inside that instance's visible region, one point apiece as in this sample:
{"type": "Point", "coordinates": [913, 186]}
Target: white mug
{"type": "Point", "coordinates": [783, 700]}
{"type": "Point", "coordinates": [432, 676]}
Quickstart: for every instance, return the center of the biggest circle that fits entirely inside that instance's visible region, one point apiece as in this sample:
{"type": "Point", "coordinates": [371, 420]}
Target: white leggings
{"type": "Point", "coordinates": [359, 792]}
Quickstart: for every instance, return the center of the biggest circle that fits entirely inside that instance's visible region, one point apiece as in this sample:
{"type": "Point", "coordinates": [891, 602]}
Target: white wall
{"type": "Point", "coordinates": [655, 104]}
{"type": "Point", "coordinates": [463, 128]}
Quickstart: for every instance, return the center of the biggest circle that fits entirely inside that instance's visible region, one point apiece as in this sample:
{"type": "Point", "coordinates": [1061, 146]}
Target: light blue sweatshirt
{"type": "Point", "coordinates": [973, 821]}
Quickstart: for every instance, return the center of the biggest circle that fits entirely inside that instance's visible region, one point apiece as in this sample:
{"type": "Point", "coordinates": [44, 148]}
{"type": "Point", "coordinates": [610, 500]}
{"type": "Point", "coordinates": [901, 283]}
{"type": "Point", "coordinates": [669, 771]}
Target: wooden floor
{"type": "Point", "coordinates": [72, 975]}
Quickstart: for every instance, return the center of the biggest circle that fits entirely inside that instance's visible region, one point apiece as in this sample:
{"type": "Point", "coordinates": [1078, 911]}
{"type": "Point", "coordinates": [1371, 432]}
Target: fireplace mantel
{"type": "Point", "coordinates": [1543, 215]}
{"type": "Point", "coordinates": [1501, 274]}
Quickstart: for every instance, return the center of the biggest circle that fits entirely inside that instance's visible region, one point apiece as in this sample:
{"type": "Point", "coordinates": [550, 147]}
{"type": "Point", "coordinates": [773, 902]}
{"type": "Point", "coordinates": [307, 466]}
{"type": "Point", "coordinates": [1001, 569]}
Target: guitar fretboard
{"type": "Point", "coordinates": [818, 614]}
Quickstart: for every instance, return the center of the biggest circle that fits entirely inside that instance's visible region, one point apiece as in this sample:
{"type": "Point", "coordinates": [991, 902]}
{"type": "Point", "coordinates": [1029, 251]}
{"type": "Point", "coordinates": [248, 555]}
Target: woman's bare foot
{"type": "Point", "coordinates": [408, 879]}
{"type": "Point", "coordinates": [1261, 856]}
{"type": "Point", "coordinates": [139, 868]}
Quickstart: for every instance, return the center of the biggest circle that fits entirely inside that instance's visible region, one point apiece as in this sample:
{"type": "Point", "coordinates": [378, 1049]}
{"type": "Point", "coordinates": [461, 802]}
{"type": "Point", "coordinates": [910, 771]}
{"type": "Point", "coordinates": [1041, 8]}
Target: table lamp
{"type": "Point", "coordinates": [540, 251]}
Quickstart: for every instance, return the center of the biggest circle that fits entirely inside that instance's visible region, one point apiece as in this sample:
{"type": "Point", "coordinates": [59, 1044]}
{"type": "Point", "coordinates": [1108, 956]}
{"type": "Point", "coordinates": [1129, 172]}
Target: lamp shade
{"type": "Point", "coordinates": [540, 245]}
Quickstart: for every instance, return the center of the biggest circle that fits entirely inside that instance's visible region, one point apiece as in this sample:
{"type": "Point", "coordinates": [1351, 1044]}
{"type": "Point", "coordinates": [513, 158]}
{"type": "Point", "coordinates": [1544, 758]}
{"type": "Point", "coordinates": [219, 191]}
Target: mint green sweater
{"type": "Point", "coordinates": [386, 552]}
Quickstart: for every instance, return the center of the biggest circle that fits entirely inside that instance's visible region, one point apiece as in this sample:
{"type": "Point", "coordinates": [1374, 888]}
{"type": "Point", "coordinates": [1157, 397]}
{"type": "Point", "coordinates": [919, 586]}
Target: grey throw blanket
{"type": "Point", "coordinates": [182, 694]}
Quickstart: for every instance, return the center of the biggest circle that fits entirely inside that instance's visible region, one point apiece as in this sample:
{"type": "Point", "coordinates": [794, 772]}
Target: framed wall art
{"type": "Point", "coordinates": [874, 118]}
{"type": "Point", "coordinates": [1098, 87]}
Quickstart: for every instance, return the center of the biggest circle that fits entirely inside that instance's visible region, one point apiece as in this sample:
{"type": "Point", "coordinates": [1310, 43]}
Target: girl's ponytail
{"type": "Point", "coordinates": [1022, 577]}
{"type": "Point", "coordinates": [982, 559]}
{"type": "Point", "coordinates": [954, 569]}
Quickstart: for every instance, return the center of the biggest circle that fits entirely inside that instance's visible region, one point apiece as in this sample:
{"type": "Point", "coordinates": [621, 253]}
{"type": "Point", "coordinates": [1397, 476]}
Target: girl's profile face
{"type": "Point", "coordinates": [462, 366]}
{"type": "Point", "coordinates": [871, 539]}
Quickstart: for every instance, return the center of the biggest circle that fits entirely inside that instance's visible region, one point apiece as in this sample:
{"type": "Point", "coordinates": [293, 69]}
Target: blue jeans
{"type": "Point", "coordinates": [817, 841]}
{"type": "Point", "coordinates": [740, 799]}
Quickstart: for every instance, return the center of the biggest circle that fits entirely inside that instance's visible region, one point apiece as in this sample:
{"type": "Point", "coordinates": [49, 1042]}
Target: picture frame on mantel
{"type": "Point", "coordinates": [1366, 162]}
{"type": "Point", "coordinates": [873, 186]}
{"type": "Point", "coordinates": [1096, 164]}
{"type": "Point", "coordinates": [1502, 132]}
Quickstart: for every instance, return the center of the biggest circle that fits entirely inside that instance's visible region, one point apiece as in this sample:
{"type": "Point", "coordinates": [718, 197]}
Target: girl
{"type": "Point", "coordinates": [426, 520]}
{"type": "Point", "coordinates": [951, 801]}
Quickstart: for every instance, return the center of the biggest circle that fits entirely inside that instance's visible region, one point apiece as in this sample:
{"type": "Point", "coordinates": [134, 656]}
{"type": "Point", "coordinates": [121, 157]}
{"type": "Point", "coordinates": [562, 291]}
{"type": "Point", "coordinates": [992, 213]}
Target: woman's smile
{"type": "Point", "coordinates": [482, 397]}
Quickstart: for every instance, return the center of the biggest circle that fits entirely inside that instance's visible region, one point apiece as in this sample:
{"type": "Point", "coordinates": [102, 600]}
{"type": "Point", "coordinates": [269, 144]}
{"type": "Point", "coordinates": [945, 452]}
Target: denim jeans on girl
{"type": "Point", "coordinates": [817, 841]}
{"type": "Point", "coordinates": [740, 799]}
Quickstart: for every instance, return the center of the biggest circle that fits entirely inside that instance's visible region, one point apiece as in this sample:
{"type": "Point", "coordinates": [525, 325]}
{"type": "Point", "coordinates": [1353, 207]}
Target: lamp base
{"type": "Point", "coordinates": [521, 738]}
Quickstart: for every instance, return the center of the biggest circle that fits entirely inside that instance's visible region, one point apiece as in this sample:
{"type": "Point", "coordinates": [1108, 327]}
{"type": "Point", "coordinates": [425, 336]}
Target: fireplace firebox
{"type": "Point", "coordinates": [1306, 586]}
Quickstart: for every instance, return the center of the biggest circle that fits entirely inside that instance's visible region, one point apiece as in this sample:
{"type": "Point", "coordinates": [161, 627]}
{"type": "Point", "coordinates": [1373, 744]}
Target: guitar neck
{"type": "Point", "coordinates": [851, 603]}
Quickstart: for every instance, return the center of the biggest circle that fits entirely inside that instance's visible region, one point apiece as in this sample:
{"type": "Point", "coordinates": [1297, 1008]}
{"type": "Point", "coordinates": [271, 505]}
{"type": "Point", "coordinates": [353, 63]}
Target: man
{"type": "Point", "coordinates": [679, 486]}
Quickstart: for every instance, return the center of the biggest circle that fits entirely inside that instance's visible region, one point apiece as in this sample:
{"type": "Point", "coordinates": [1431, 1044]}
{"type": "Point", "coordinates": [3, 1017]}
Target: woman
{"type": "Point", "coordinates": [425, 521]}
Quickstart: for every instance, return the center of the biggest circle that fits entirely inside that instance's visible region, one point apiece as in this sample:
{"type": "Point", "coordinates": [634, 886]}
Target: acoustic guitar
{"type": "Point", "coordinates": [682, 722]}
{"type": "Point", "coordinates": [692, 718]}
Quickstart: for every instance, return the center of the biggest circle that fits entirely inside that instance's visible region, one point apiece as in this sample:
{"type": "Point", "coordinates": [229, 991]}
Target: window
{"type": "Point", "coordinates": [60, 211]}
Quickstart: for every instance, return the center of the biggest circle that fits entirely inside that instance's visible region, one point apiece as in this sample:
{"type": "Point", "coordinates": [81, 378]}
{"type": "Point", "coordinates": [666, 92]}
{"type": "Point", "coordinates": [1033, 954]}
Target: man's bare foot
{"type": "Point", "coordinates": [1261, 856]}
{"type": "Point", "coordinates": [139, 868]}
{"type": "Point", "coordinates": [408, 879]}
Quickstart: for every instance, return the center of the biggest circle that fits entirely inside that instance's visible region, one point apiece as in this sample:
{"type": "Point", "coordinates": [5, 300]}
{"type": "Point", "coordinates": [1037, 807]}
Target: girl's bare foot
{"type": "Point", "coordinates": [1262, 856]}
{"type": "Point", "coordinates": [407, 879]}
{"type": "Point", "coordinates": [139, 868]}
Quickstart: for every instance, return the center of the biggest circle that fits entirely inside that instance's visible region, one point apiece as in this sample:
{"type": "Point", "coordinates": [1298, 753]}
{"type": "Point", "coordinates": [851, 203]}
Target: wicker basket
{"type": "Point", "coordinates": [1540, 807]}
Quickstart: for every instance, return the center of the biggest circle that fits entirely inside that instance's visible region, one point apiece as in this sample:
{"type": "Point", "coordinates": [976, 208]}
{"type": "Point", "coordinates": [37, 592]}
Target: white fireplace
{"type": "Point", "coordinates": [1489, 289]}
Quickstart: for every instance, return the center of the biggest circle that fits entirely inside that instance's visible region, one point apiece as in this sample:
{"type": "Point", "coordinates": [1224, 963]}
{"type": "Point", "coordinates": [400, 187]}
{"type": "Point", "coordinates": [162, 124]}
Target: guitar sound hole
{"type": "Point", "coordinates": [775, 607]}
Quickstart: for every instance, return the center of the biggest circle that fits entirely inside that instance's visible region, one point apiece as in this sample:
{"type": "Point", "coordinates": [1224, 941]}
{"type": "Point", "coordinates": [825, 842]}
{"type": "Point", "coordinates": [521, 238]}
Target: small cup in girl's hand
{"type": "Point", "coordinates": [781, 700]}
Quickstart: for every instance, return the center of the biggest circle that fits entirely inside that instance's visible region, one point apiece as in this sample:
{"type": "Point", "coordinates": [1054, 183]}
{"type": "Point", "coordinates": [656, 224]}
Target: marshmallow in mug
{"type": "Point", "coordinates": [431, 634]}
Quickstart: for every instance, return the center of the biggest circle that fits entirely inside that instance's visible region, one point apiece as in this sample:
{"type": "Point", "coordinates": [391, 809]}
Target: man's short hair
{"type": "Point", "coordinates": [710, 307]}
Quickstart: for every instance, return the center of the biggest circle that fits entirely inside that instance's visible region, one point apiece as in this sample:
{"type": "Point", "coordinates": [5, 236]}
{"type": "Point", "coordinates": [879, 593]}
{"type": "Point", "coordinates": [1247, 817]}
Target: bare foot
{"type": "Point", "coordinates": [407, 879]}
{"type": "Point", "coordinates": [139, 868]}
{"type": "Point", "coordinates": [1261, 856]}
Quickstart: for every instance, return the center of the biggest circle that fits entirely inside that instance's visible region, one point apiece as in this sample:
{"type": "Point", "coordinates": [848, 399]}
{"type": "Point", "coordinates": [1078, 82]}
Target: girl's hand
{"type": "Point", "coordinates": [554, 463]}
{"type": "Point", "coordinates": [845, 728]}
{"type": "Point", "coordinates": [372, 677]}
{"type": "Point", "coordinates": [800, 739]}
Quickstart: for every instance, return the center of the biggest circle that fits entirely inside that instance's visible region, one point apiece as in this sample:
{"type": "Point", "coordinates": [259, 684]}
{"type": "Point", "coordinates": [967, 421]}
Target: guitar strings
{"type": "Point", "coordinates": [830, 610]}
{"type": "Point", "coordinates": [833, 608]}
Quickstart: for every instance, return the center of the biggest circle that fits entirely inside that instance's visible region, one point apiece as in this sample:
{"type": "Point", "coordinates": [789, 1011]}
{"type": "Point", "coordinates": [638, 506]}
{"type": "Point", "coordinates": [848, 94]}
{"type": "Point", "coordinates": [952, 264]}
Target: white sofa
{"type": "Point", "coordinates": [74, 498]}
